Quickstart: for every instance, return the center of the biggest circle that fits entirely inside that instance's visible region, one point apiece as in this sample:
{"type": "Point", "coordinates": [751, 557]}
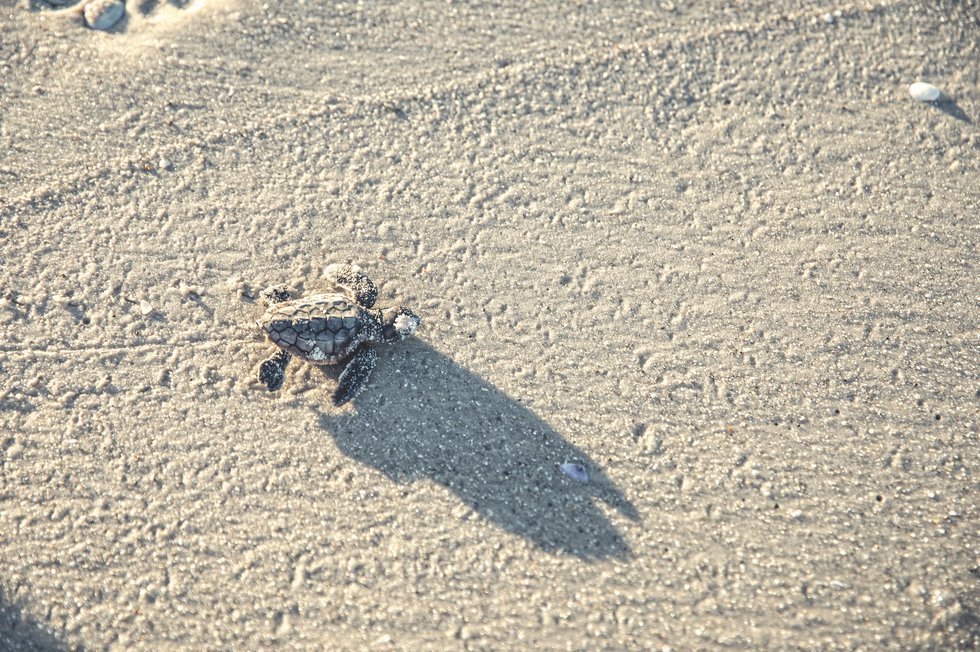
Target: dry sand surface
{"type": "Point", "coordinates": [713, 251]}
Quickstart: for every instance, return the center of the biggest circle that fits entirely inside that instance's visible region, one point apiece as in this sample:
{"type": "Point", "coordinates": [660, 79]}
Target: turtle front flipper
{"type": "Point", "coordinates": [355, 375]}
{"type": "Point", "coordinates": [352, 281]}
{"type": "Point", "coordinates": [276, 294]}
{"type": "Point", "coordinates": [273, 371]}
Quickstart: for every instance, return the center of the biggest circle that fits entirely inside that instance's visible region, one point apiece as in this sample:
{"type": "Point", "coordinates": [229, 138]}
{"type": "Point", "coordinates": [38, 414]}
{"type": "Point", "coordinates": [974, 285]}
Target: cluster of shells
{"type": "Point", "coordinates": [97, 14]}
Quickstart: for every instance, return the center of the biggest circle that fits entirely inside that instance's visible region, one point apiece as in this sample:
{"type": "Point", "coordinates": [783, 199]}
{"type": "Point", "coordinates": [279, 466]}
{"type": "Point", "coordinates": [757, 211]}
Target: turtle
{"type": "Point", "coordinates": [332, 328]}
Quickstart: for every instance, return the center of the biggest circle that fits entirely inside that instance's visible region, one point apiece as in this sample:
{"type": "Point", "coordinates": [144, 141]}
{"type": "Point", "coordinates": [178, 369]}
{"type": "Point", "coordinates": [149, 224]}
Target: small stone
{"type": "Point", "coordinates": [14, 451]}
{"type": "Point", "coordinates": [165, 164]}
{"type": "Point", "coordinates": [145, 307]}
{"type": "Point", "coordinates": [103, 14]}
{"type": "Point", "coordinates": [186, 290]}
{"type": "Point", "coordinates": [924, 92]}
{"type": "Point", "coordinates": [575, 471]}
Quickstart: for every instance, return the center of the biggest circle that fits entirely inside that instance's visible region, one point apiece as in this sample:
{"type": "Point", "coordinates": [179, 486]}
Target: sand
{"type": "Point", "coordinates": [714, 252]}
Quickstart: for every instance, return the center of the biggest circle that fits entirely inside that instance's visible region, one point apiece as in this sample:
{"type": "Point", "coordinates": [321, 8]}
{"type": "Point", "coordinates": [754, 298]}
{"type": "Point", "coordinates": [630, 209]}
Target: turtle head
{"type": "Point", "coordinates": [398, 323]}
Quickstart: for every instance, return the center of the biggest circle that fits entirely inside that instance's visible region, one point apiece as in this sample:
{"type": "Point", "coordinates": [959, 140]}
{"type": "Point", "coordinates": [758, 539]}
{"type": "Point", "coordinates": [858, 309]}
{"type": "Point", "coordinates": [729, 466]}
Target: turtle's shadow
{"type": "Point", "coordinates": [21, 632]}
{"type": "Point", "coordinates": [424, 416]}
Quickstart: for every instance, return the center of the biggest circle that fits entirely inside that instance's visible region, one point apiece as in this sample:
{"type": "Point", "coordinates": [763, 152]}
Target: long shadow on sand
{"type": "Point", "coordinates": [430, 418]}
{"type": "Point", "coordinates": [951, 108]}
{"type": "Point", "coordinates": [19, 633]}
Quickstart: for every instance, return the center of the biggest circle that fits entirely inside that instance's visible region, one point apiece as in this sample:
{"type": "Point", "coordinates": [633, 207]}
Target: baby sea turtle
{"type": "Point", "coordinates": [327, 329]}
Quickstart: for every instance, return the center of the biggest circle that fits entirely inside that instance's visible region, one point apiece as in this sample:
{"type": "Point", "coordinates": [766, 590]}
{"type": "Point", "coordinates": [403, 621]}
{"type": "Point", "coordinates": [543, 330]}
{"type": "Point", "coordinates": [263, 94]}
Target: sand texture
{"type": "Point", "coordinates": [712, 251]}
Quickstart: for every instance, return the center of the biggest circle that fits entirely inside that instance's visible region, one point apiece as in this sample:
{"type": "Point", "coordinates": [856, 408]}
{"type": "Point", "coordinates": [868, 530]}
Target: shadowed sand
{"type": "Point", "coordinates": [488, 449]}
{"type": "Point", "coordinates": [22, 633]}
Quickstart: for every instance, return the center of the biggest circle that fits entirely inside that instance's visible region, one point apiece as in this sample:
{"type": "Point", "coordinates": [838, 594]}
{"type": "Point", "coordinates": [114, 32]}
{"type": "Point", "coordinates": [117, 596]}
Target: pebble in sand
{"type": "Point", "coordinates": [924, 92]}
{"type": "Point", "coordinates": [103, 14]}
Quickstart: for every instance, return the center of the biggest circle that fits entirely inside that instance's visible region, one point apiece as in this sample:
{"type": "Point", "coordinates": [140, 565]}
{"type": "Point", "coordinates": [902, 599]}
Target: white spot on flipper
{"type": "Point", "coordinates": [405, 324]}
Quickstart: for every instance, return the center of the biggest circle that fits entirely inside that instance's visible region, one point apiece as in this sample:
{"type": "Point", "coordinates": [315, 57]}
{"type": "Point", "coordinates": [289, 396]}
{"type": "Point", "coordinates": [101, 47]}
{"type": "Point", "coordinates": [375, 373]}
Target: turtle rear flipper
{"type": "Point", "coordinates": [273, 371]}
{"type": "Point", "coordinates": [355, 375]}
{"type": "Point", "coordinates": [353, 281]}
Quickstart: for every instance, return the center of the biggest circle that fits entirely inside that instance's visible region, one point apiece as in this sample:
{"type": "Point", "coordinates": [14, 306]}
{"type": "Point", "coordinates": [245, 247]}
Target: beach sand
{"type": "Point", "coordinates": [713, 252]}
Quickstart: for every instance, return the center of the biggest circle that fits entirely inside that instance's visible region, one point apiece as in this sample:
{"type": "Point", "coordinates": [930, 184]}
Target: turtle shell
{"type": "Point", "coordinates": [322, 329]}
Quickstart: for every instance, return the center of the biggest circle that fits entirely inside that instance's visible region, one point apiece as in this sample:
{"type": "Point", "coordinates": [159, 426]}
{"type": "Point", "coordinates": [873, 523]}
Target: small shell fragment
{"type": "Point", "coordinates": [145, 307]}
{"type": "Point", "coordinates": [575, 471]}
{"type": "Point", "coordinates": [924, 92]}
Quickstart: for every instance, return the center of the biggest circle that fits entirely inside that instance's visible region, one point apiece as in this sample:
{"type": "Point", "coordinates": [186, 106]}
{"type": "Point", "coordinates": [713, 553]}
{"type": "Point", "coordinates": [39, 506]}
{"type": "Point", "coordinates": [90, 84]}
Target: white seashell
{"type": "Point", "coordinates": [575, 471]}
{"type": "Point", "coordinates": [103, 14]}
{"type": "Point", "coordinates": [145, 307]}
{"type": "Point", "coordinates": [924, 92]}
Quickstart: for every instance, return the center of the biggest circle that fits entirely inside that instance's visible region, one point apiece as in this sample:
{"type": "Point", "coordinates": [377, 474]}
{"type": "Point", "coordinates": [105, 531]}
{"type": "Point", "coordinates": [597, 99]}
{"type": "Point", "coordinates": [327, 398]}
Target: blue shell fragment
{"type": "Point", "coordinates": [575, 471]}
